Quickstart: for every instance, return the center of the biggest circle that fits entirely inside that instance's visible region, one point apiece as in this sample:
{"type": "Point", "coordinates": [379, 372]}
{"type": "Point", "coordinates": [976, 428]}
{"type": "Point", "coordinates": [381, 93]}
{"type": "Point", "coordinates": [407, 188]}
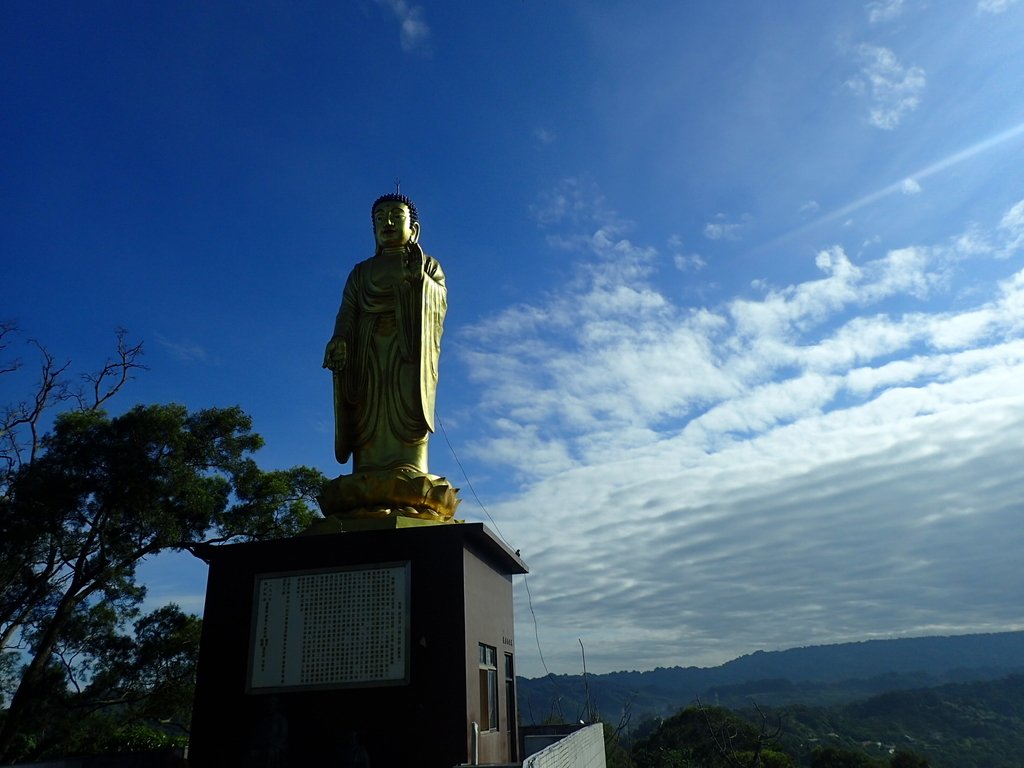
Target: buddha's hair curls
{"type": "Point", "coordinates": [395, 197]}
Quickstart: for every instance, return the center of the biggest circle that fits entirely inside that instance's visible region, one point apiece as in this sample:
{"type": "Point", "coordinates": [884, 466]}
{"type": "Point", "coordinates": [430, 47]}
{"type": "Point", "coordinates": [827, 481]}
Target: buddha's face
{"type": "Point", "coordinates": [393, 225]}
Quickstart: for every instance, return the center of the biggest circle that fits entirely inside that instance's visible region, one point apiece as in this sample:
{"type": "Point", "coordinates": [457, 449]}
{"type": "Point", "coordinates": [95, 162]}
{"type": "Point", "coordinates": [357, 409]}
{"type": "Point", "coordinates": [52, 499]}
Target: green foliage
{"type": "Point", "coordinates": [616, 755]}
{"type": "Point", "coordinates": [137, 737]}
{"type": "Point", "coordinates": [8, 676]}
{"type": "Point", "coordinates": [815, 676]}
{"type": "Point", "coordinates": [99, 495]}
{"type": "Point", "coordinates": [772, 758]}
{"type": "Point", "coordinates": [710, 737]}
{"type": "Point", "coordinates": [836, 757]}
{"type": "Point", "coordinates": [904, 759]}
{"type": "Point", "coordinates": [977, 725]}
{"type": "Point", "coordinates": [150, 675]}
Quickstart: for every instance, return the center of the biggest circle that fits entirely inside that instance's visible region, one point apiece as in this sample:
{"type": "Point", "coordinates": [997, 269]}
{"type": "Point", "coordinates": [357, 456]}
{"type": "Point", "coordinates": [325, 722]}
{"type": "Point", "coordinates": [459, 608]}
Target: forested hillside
{"type": "Point", "coordinates": [956, 726]}
{"type": "Point", "coordinates": [975, 725]}
{"type": "Point", "coordinates": [815, 676]}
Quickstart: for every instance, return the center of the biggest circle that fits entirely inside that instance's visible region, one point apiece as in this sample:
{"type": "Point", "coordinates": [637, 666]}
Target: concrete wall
{"type": "Point", "coordinates": [582, 749]}
{"type": "Point", "coordinates": [489, 620]}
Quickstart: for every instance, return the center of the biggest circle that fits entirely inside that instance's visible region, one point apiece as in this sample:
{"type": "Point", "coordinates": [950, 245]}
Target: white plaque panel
{"type": "Point", "coordinates": [331, 629]}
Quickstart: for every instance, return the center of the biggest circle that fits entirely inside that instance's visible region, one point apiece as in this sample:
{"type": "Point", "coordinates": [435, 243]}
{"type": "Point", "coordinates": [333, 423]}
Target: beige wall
{"type": "Point", "coordinates": [489, 620]}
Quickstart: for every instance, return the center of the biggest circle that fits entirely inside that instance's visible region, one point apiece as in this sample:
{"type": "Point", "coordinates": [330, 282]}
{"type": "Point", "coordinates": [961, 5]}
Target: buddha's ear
{"type": "Point", "coordinates": [415, 228]}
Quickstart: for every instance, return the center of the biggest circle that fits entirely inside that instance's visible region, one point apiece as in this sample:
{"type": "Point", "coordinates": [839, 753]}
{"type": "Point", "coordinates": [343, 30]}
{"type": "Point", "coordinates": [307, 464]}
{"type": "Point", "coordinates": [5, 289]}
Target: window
{"type": "Point", "coordinates": [510, 693]}
{"type": "Point", "coordinates": [488, 687]}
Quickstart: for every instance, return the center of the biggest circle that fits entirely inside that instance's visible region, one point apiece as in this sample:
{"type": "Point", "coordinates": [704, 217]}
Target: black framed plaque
{"type": "Point", "coordinates": [334, 628]}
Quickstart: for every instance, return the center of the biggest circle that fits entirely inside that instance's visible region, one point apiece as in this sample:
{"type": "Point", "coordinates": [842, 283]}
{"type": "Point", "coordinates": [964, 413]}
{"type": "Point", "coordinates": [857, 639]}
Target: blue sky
{"type": "Point", "coordinates": [735, 344]}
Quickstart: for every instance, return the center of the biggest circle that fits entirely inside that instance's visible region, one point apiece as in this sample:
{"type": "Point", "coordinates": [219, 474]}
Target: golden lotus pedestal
{"type": "Point", "coordinates": [399, 494]}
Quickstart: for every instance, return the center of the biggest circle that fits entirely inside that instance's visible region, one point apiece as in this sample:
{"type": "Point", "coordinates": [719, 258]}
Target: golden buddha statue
{"type": "Point", "coordinates": [384, 359]}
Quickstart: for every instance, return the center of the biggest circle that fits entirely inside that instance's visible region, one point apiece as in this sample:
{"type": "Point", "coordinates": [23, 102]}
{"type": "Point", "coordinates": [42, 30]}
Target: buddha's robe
{"type": "Point", "coordinates": [384, 395]}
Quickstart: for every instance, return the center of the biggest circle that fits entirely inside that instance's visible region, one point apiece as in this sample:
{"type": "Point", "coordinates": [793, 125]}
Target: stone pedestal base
{"type": "Point", "coordinates": [325, 698]}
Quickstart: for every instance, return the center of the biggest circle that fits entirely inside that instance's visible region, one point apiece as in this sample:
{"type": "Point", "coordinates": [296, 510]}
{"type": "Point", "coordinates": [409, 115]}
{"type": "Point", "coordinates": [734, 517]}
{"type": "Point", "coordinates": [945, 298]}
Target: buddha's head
{"type": "Point", "coordinates": [395, 221]}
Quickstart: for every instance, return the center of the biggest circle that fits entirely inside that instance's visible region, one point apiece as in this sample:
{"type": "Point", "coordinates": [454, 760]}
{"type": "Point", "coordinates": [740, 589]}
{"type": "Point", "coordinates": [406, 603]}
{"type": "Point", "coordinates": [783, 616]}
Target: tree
{"type": "Point", "coordinates": [26, 564]}
{"type": "Point", "coordinates": [110, 690]}
{"type": "Point", "coordinates": [21, 421]}
{"type": "Point", "coordinates": [903, 759]}
{"type": "Point", "coordinates": [82, 506]}
{"type": "Point", "coordinates": [147, 675]}
{"type": "Point", "coordinates": [746, 747]}
{"type": "Point", "coordinates": [836, 757]}
{"type": "Point", "coordinates": [616, 755]}
{"type": "Point", "coordinates": [710, 737]}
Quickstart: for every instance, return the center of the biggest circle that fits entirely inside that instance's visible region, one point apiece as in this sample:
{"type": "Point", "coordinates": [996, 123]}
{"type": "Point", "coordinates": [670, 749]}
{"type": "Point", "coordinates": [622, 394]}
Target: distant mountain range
{"type": "Point", "coordinates": [966, 725]}
{"type": "Point", "coordinates": [815, 676]}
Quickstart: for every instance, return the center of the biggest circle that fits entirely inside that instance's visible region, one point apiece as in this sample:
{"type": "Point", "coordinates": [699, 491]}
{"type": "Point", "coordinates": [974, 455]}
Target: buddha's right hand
{"type": "Point", "coordinates": [335, 355]}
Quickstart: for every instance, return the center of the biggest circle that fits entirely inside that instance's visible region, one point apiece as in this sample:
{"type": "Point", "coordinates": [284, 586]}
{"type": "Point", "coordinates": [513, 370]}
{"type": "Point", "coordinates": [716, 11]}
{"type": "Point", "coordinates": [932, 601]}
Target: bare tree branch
{"type": "Point", "coordinates": [627, 715]}
{"type": "Point", "coordinates": [21, 422]}
{"type": "Point", "coordinates": [27, 413]}
{"type": "Point", "coordinates": [8, 327]}
{"type": "Point", "coordinates": [115, 372]}
{"type": "Point", "coordinates": [725, 739]}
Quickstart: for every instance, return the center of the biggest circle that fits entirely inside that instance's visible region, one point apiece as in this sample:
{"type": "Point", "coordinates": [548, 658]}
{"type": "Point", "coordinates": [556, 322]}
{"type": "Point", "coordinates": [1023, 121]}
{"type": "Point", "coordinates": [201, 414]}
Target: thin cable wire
{"type": "Point", "coordinates": [529, 596]}
{"type": "Point", "coordinates": [469, 482]}
{"type": "Point", "coordinates": [536, 629]}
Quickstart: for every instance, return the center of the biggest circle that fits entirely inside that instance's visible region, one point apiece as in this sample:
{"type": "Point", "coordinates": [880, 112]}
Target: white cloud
{"type": "Point", "coordinates": [754, 447]}
{"type": "Point", "coordinates": [892, 89]}
{"type": "Point", "coordinates": [884, 10]}
{"type": "Point", "coordinates": [573, 202]}
{"type": "Point", "coordinates": [995, 6]}
{"type": "Point", "coordinates": [544, 136]}
{"type": "Point", "coordinates": [1012, 225]}
{"type": "Point", "coordinates": [184, 351]}
{"type": "Point", "coordinates": [689, 262]}
{"type": "Point", "coordinates": [684, 262]}
{"type": "Point", "coordinates": [414, 32]}
{"type": "Point", "coordinates": [811, 206]}
{"type": "Point", "coordinates": [721, 228]}
{"type": "Point", "coordinates": [910, 187]}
